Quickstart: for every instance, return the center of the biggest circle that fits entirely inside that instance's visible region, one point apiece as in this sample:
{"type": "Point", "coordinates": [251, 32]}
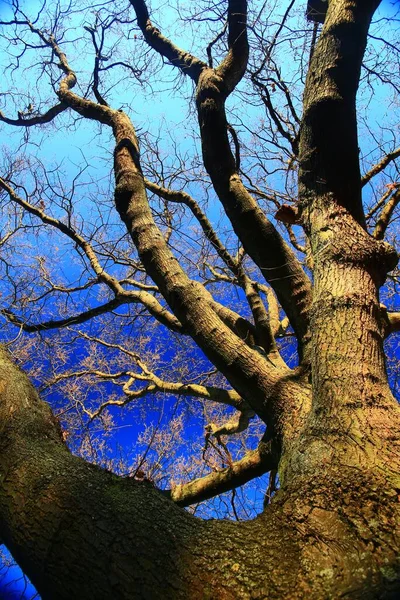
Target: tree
{"type": "Point", "coordinates": [330, 421]}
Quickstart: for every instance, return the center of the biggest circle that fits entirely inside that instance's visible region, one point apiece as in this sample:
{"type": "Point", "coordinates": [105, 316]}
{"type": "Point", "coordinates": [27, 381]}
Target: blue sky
{"type": "Point", "coordinates": [175, 111]}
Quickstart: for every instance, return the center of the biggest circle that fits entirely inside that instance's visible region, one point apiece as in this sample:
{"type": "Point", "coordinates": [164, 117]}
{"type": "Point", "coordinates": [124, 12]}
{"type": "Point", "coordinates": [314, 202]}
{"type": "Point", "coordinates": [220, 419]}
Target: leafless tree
{"type": "Point", "coordinates": [223, 277]}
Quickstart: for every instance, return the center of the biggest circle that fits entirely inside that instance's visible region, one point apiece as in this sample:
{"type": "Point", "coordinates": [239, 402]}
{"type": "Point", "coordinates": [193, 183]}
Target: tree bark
{"type": "Point", "coordinates": [332, 531]}
{"type": "Point", "coordinates": [78, 530]}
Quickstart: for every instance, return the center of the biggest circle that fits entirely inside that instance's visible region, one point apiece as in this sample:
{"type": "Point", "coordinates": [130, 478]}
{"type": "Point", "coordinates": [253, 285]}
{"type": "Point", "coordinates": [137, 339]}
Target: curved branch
{"type": "Point", "coordinates": [186, 62]}
{"type": "Point", "coordinates": [380, 166]}
{"type": "Point", "coordinates": [237, 424]}
{"type": "Point", "coordinates": [260, 239]}
{"type": "Point", "coordinates": [234, 65]}
{"type": "Point", "coordinates": [23, 121]}
{"type": "Point", "coordinates": [161, 314]}
{"type": "Point", "coordinates": [253, 464]}
{"type": "Point", "coordinates": [394, 322]}
{"type": "Point", "coordinates": [386, 215]}
{"type": "Point", "coordinates": [60, 323]}
{"type": "Point", "coordinates": [260, 314]}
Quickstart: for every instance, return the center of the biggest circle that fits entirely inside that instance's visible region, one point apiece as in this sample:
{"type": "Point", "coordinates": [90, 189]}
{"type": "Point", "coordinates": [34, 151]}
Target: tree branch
{"type": "Point", "coordinates": [60, 323]}
{"type": "Point", "coordinates": [255, 463]}
{"type": "Point", "coordinates": [23, 121]}
{"type": "Point", "coordinates": [261, 240]}
{"type": "Point", "coordinates": [186, 62]}
{"type": "Point", "coordinates": [102, 275]}
{"type": "Point", "coordinates": [329, 157]}
{"type": "Point", "coordinates": [386, 215]}
{"type": "Point", "coordinates": [161, 314]}
{"type": "Point", "coordinates": [393, 319]}
{"type": "Point", "coordinates": [260, 314]}
{"type": "Point", "coordinates": [233, 67]}
{"type": "Point", "coordinates": [380, 166]}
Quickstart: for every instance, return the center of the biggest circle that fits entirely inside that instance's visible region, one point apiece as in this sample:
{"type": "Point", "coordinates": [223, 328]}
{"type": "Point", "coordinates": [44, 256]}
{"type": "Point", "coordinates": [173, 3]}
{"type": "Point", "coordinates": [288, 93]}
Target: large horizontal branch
{"type": "Point", "coordinates": [186, 62]}
{"type": "Point", "coordinates": [161, 314]}
{"type": "Point", "coordinates": [48, 497]}
{"type": "Point", "coordinates": [191, 390]}
{"type": "Point", "coordinates": [253, 464]}
{"type": "Point", "coordinates": [156, 383]}
{"type": "Point", "coordinates": [27, 120]}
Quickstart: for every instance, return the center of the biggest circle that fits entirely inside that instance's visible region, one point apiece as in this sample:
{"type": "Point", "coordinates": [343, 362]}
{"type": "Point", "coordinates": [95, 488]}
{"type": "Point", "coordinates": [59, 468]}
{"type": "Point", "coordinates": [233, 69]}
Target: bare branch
{"type": "Point", "coordinates": [188, 64]}
{"type": "Point", "coordinates": [380, 166]}
{"type": "Point", "coordinates": [110, 281]}
{"type": "Point", "coordinates": [60, 323]}
{"type": "Point", "coordinates": [255, 463]}
{"type": "Point", "coordinates": [393, 322]}
{"type": "Point", "coordinates": [233, 67]}
{"type": "Point", "coordinates": [29, 121]}
{"type": "Point", "coordinates": [386, 215]}
{"type": "Point", "coordinates": [148, 301]}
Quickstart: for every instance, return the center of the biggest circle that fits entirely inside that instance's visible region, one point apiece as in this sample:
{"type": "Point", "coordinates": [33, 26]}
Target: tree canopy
{"type": "Point", "coordinates": [199, 274]}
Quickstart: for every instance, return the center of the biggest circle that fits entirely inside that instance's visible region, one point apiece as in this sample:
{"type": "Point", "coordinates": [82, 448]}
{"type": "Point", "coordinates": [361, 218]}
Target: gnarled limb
{"type": "Point", "coordinates": [253, 464]}
{"type": "Point", "coordinates": [30, 121]}
{"type": "Point", "coordinates": [186, 62]}
{"type": "Point", "coordinates": [260, 239]}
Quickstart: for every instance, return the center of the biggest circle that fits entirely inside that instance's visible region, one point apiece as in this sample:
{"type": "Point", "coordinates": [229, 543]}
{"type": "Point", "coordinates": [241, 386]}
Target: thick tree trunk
{"type": "Point", "coordinates": [79, 531]}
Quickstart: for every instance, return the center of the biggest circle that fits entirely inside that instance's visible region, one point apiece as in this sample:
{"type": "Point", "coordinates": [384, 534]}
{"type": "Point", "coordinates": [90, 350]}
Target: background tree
{"type": "Point", "coordinates": [120, 291]}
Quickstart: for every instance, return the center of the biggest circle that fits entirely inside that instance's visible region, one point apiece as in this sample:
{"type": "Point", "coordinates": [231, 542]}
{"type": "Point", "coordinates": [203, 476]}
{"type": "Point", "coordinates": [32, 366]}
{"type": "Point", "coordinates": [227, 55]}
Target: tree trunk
{"type": "Point", "coordinates": [79, 531]}
{"type": "Point", "coordinates": [332, 531]}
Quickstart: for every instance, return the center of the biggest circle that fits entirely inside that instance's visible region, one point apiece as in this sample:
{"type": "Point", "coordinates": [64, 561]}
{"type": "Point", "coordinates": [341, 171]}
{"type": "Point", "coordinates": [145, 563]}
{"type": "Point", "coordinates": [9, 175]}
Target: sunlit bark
{"type": "Point", "coordinates": [332, 424]}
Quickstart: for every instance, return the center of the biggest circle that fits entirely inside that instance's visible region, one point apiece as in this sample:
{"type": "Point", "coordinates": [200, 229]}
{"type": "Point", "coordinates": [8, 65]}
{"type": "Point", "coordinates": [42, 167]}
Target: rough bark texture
{"type": "Point", "coordinates": [77, 530]}
{"type": "Point", "coordinates": [333, 425]}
